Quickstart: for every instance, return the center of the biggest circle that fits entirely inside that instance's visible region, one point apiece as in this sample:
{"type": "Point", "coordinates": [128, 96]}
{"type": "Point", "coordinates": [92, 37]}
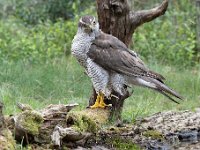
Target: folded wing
{"type": "Point", "coordinates": [111, 54]}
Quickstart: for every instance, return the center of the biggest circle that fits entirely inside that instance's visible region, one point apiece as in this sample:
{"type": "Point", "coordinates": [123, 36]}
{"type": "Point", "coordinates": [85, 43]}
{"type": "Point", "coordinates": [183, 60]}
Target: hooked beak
{"type": "Point", "coordinates": [92, 27]}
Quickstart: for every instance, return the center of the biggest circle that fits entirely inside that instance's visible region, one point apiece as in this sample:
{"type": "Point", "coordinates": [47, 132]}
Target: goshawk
{"type": "Point", "coordinates": [111, 65]}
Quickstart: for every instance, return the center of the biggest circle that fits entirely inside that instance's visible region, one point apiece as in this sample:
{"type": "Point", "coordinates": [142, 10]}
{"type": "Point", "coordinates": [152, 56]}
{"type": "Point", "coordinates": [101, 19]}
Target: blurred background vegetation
{"type": "Point", "coordinates": [36, 66]}
{"type": "Point", "coordinates": [42, 30]}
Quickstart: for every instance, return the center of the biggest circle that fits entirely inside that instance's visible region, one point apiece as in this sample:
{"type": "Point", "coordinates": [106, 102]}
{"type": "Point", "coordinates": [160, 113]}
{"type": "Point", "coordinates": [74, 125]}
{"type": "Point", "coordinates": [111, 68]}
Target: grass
{"type": "Point", "coordinates": [61, 81]}
{"type": "Point", "coordinates": [64, 81]}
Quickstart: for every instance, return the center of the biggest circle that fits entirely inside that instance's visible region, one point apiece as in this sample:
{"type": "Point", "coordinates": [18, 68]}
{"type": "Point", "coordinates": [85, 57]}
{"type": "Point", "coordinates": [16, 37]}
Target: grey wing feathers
{"type": "Point", "coordinates": [112, 54]}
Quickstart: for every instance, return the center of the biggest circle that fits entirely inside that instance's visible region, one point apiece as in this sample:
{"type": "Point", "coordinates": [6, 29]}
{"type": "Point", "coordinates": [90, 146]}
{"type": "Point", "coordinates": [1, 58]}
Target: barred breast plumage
{"type": "Point", "coordinates": [80, 46]}
{"type": "Point", "coordinates": [99, 76]}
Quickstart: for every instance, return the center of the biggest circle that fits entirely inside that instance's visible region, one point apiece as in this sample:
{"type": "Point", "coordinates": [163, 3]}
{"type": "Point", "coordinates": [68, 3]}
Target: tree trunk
{"type": "Point", "coordinates": [116, 18]}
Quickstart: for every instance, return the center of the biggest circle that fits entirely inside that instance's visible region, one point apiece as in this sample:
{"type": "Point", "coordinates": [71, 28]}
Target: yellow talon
{"type": "Point", "coordinates": [99, 103]}
{"type": "Point", "coordinates": [96, 104]}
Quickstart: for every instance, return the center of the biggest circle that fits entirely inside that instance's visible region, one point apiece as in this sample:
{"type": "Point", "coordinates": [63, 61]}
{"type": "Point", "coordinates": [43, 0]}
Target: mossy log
{"type": "Point", "coordinates": [7, 141]}
{"type": "Point", "coordinates": [57, 127]}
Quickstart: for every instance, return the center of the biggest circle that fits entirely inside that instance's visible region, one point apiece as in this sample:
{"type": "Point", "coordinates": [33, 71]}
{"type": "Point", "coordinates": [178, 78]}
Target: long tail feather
{"type": "Point", "coordinates": [162, 92]}
{"type": "Point", "coordinates": [159, 87]}
{"type": "Point", "coordinates": [166, 89]}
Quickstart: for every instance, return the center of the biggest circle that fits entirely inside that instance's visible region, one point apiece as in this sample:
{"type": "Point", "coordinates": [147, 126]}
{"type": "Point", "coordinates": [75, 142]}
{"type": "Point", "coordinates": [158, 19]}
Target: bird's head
{"type": "Point", "coordinates": [88, 24]}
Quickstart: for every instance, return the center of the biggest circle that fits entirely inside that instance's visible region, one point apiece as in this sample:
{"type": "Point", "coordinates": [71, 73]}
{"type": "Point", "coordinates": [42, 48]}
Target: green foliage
{"type": "Point", "coordinates": [41, 42]}
{"type": "Point", "coordinates": [170, 39]}
{"type": "Point", "coordinates": [32, 31]}
{"type": "Point", "coordinates": [35, 11]}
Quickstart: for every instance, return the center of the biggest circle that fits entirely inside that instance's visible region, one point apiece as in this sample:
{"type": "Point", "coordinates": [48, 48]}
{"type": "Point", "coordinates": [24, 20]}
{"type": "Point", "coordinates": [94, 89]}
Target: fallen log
{"type": "Point", "coordinates": [7, 141]}
{"type": "Point", "coordinates": [56, 125]}
{"type": "Point", "coordinates": [60, 127]}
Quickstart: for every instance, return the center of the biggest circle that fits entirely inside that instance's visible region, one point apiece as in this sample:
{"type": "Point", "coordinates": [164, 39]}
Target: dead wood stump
{"type": "Point", "coordinates": [117, 18]}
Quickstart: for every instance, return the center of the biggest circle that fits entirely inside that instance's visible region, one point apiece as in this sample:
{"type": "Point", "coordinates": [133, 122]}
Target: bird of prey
{"type": "Point", "coordinates": [111, 65]}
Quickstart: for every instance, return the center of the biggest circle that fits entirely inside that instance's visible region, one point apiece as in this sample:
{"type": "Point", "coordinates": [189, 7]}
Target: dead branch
{"type": "Point", "coordinates": [139, 17]}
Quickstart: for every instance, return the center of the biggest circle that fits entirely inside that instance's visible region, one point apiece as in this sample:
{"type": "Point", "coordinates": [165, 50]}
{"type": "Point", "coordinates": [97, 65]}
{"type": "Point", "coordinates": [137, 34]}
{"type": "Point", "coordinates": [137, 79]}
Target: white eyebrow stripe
{"type": "Point", "coordinates": [91, 20]}
{"type": "Point", "coordinates": [82, 21]}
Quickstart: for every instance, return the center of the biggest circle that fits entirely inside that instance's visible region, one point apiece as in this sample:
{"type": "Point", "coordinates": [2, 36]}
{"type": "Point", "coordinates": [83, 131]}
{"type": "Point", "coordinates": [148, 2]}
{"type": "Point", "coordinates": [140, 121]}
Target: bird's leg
{"type": "Point", "coordinates": [96, 104]}
{"type": "Point", "coordinates": [102, 103]}
{"type": "Point", "coordinates": [99, 103]}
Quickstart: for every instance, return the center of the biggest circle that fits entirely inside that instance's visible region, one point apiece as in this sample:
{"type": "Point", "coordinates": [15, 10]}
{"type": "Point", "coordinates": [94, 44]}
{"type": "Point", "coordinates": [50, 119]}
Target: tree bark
{"type": "Point", "coordinates": [116, 18]}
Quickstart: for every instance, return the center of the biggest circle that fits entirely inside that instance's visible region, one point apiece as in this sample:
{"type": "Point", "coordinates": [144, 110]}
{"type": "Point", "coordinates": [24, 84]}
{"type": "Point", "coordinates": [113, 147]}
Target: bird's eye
{"type": "Point", "coordinates": [94, 22]}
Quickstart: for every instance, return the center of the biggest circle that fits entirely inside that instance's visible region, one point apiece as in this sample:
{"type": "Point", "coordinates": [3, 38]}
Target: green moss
{"type": "Point", "coordinates": [100, 116]}
{"type": "Point", "coordinates": [81, 122]}
{"type": "Point", "coordinates": [120, 144]}
{"type": "Point", "coordinates": [7, 141]}
{"type": "Point", "coordinates": [30, 121]}
{"type": "Point", "coordinates": [154, 134]}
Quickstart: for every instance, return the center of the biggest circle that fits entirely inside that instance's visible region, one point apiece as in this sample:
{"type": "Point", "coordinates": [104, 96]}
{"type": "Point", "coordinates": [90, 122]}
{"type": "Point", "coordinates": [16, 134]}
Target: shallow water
{"type": "Point", "coordinates": [188, 146]}
{"type": "Point", "coordinates": [187, 140]}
